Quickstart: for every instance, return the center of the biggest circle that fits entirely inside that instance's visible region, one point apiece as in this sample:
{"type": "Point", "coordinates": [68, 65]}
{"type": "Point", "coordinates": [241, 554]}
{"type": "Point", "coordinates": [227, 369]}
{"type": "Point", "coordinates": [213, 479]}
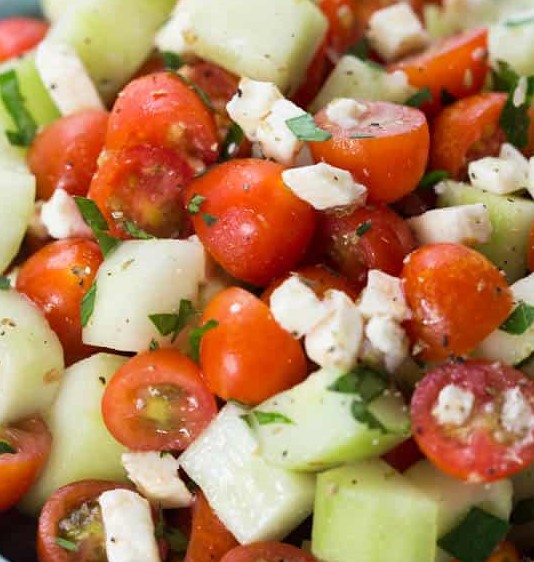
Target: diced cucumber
{"type": "Point", "coordinates": [112, 37]}
{"type": "Point", "coordinates": [31, 359]}
{"type": "Point", "coordinates": [511, 218]}
{"type": "Point", "coordinates": [255, 501]}
{"type": "Point", "coordinates": [355, 78]}
{"type": "Point", "coordinates": [367, 511]}
{"type": "Point", "coordinates": [270, 41]}
{"type": "Point", "coordinates": [82, 447]}
{"type": "Point", "coordinates": [455, 498]}
{"type": "Point", "coordinates": [320, 430]}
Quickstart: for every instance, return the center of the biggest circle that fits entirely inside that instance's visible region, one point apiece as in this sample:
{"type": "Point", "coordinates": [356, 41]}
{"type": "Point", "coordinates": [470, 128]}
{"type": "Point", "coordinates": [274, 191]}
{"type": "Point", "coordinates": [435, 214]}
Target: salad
{"type": "Point", "coordinates": [266, 287]}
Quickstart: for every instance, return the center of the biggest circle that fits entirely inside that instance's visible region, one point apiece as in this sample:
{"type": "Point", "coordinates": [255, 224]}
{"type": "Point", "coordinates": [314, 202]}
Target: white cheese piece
{"type": "Point", "coordinates": [345, 112]}
{"type": "Point", "coordinates": [336, 340]}
{"type": "Point", "coordinates": [276, 140]}
{"type": "Point", "coordinates": [252, 103]}
{"type": "Point", "coordinates": [65, 78]}
{"type": "Point", "coordinates": [497, 175]}
{"type": "Point", "coordinates": [128, 527]}
{"type": "Point", "coordinates": [254, 500]}
{"type": "Point", "coordinates": [383, 296]}
{"type": "Point", "coordinates": [387, 336]}
{"type": "Point", "coordinates": [396, 31]}
{"type": "Point", "coordinates": [462, 224]}
{"type": "Point", "coordinates": [454, 405]}
{"type": "Point", "coordinates": [156, 476]}
{"type": "Point", "coordinates": [509, 152]}
{"type": "Point", "coordinates": [172, 37]}
{"type": "Point", "coordinates": [62, 219]}
{"type": "Point", "coordinates": [325, 187]}
{"type": "Point", "coordinates": [516, 414]}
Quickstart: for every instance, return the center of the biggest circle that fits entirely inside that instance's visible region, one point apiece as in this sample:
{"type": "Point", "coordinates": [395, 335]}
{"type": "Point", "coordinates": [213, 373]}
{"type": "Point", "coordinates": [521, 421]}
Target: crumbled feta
{"type": "Point", "coordinates": [383, 296]}
{"type": "Point", "coordinates": [463, 224]}
{"type": "Point", "coordinates": [516, 414]}
{"type": "Point", "coordinates": [156, 477]}
{"type": "Point", "coordinates": [61, 217]}
{"type": "Point", "coordinates": [296, 307]}
{"type": "Point", "coordinates": [325, 187]}
{"type": "Point", "coordinates": [276, 140]}
{"type": "Point", "coordinates": [387, 336]}
{"type": "Point", "coordinates": [396, 31]}
{"type": "Point", "coordinates": [335, 341]}
{"type": "Point", "coordinates": [345, 112]}
{"type": "Point", "coordinates": [252, 103]}
{"type": "Point", "coordinates": [454, 405]}
{"type": "Point", "coordinates": [128, 527]}
{"type": "Point", "coordinates": [65, 78]}
{"type": "Point", "coordinates": [497, 175]}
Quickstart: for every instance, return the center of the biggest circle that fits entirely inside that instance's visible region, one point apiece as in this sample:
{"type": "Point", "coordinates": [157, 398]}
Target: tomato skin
{"type": "Point", "coordinates": [56, 278]}
{"type": "Point", "coordinates": [403, 456]}
{"type": "Point", "coordinates": [268, 552]}
{"type": "Point", "coordinates": [18, 471]}
{"type": "Point", "coordinates": [390, 160]}
{"type": "Point", "coordinates": [259, 229]}
{"type": "Point", "coordinates": [64, 154]}
{"type": "Point", "coordinates": [145, 185]}
{"type": "Point", "coordinates": [481, 449]}
{"type": "Point", "coordinates": [457, 298]}
{"type": "Point", "coordinates": [19, 35]}
{"type": "Point", "coordinates": [160, 109]}
{"type": "Point", "coordinates": [248, 357]}
{"type": "Point", "coordinates": [188, 405]}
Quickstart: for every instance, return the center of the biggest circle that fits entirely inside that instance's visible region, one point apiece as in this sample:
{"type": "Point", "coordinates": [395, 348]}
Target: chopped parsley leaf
{"type": "Point", "coordinates": [66, 544]}
{"type": "Point", "coordinates": [6, 448]}
{"type": "Point", "coordinates": [136, 232]}
{"type": "Point", "coordinates": [5, 283]}
{"type": "Point", "coordinates": [305, 129]}
{"type": "Point", "coordinates": [231, 142]}
{"type": "Point", "coordinates": [14, 102]}
{"type": "Point", "coordinates": [363, 228]}
{"type": "Point", "coordinates": [266, 418]}
{"type": "Point", "coordinates": [419, 98]}
{"type": "Point", "coordinates": [171, 323]}
{"type": "Point", "coordinates": [88, 305]}
{"type": "Point", "coordinates": [172, 61]}
{"type": "Point", "coordinates": [208, 219]}
{"type": "Point", "coordinates": [194, 204]}
{"type": "Point", "coordinates": [196, 335]}
{"type": "Point", "coordinates": [520, 320]}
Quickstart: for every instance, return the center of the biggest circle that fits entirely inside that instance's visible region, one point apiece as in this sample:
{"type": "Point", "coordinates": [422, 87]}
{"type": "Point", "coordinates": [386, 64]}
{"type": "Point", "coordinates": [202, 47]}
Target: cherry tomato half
{"type": "Point", "coordinates": [157, 401]}
{"type": "Point", "coordinates": [18, 35]}
{"type": "Point", "coordinates": [457, 298]}
{"type": "Point", "coordinates": [488, 439]}
{"type": "Point", "coordinates": [248, 357]}
{"type": "Point", "coordinates": [31, 441]}
{"type": "Point", "coordinates": [387, 151]}
{"type": "Point", "coordinates": [268, 552]}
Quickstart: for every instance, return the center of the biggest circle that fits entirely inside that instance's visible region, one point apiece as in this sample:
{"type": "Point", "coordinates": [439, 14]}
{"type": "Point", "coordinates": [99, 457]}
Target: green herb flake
{"type": "Point", "coordinates": [194, 204]}
{"type": "Point", "coordinates": [430, 179]}
{"type": "Point", "coordinates": [362, 136]}
{"type": "Point", "coordinates": [267, 418]}
{"type": "Point", "coordinates": [171, 323]}
{"type": "Point", "coordinates": [231, 142]}
{"type": "Point", "coordinates": [196, 335]}
{"type": "Point", "coordinates": [363, 228]}
{"type": "Point", "coordinates": [360, 49]}
{"type": "Point", "coordinates": [154, 345]}
{"type": "Point", "coordinates": [360, 412]}
{"type": "Point", "coordinates": [176, 540]}
{"type": "Point", "coordinates": [66, 544]}
{"type": "Point", "coordinates": [247, 420]}
{"type": "Point", "coordinates": [208, 219]}
{"type": "Point", "coordinates": [475, 537]}
{"type": "Point", "coordinates": [172, 61]}
{"type": "Point", "coordinates": [523, 512]}
{"type": "Point", "coordinates": [365, 381]}
{"type": "Point", "coordinates": [518, 22]}
{"type": "Point", "coordinates": [91, 213]}
{"type": "Point", "coordinates": [6, 448]}
{"type": "Point", "coordinates": [206, 100]}
{"type": "Point", "coordinates": [305, 129]}
{"type": "Point", "coordinates": [106, 242]}
{"type": "Point", "coordinates": [446, 97]}
{"type": "Point", "coordinates": [136, 231]}
{"type": "Point", "coordinates": [14, 102]}
{"type": "Point", "coordinates": [88, 305]}
{"type": "Point", "coordinates": [419, 98]}
{"type": "Point", "coordinates": [5, 283]}
{"type": "Point", "coordinates": [520, 320]}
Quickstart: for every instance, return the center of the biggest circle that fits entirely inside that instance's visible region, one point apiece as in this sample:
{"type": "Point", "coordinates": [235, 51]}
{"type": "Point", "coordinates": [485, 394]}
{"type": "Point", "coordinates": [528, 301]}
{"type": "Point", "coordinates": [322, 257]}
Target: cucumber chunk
{"type": "Point", "coordinates": [367, 511]}
{"type": "Point", "coordinates": [320, 430]}
{"type": "Point", "coordinates": [507, 248]}
{"type": "Point", "coordinates": [31, 359]}
{"type": "Point", "coordinates": [82, 447]}
{"type": "Point", "coordinates": [269, 41]}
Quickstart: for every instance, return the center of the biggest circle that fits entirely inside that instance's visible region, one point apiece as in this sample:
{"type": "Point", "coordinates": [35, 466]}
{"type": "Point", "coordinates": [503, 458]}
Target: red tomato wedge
{"type": "Point", "coordinates": [157, 401]}
{"type": "Point", "coordinates": [475, 419]}
{"type": "Point", "coordinates": [268, 552]}
{"type": "Point", "coordinates": [387, 150]}
{"type": "Point", "coordinates": [31, 441]}
{"type": "Point", "coordinates": [18, 35]}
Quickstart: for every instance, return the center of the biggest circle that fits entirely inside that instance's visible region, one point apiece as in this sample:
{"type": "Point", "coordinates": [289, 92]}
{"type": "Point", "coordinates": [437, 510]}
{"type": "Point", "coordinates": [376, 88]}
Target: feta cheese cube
{"type": "Point", "coordinates": [387, 336]}
{"type": "Point", "coordinates": [336, 340]}
{"type": "Point", "coordinates": [156, 476]}
{"type": "Point", "coordinates": [276, 139]}
{"type": "Point", "coordinates": [128, 527]}
{"type": "Point", "coordinates": [252, 103]}
{"type": "Point", "coordinates": [396, 31]}
{"type": "Point", "coordinates": [325, 187]}
{"type": "Point", "coordinates": [497, 175]}
{"type": "Point", "coordinates": [345, 112]}
{"type": "Point", "coordinates": [62, 219]}
{"type": "Point", "coordinates": [463, 224]}
{"type": "Point", "coordinates": [383, 296]}
{"type": "Point", "coordinates": [454, 405]}
{"type": "Point", "coordinates": [516, 414]}
{"type": "Point", "coordinates": [509, 152]}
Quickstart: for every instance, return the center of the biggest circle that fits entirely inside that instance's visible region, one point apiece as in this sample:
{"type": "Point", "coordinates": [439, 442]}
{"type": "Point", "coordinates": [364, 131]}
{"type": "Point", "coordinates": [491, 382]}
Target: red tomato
{"type": "Point", "coordinates": [384, 241]}
{"type": "Point", "coordinates": [249, 221]}
{"type": "Point", "coordinates": [505, 552]}
{"type": "Point", "coordinates": [18, 471]}
{"type": "Point", "coordinates": [387, 151]}
{"type": "Point", "coordinates": [493, 441]}
{"type": "Point", "coordinates": [454, 65]}
{"type": "Point", "coordinates": [157, 401]}
{"type": "Point", "coordinates": [268, 552]}
{"type": "Point", "coordinates": [72, 514]}
{"type": "Point", "coordinates": [248, 357]}
{"type": "Point", "coordinates": [210, 540]}
{"type": "Point", "coordinates": [56, 278]}
{"type": "Point", "coordinates": [144, 185]}
{"type": "Point", "coordinates": [403, 456]}
{"type": "Point", "coordinates": [64, 154]}
{"type": "Point", "coordinates": [457, 298]}
{"type": "Point", "coordinates": [161, 109]}
{"type": "Point", "coordinates": [18, 35]}
{"type": "Point", "coordinates": [315, 76]}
